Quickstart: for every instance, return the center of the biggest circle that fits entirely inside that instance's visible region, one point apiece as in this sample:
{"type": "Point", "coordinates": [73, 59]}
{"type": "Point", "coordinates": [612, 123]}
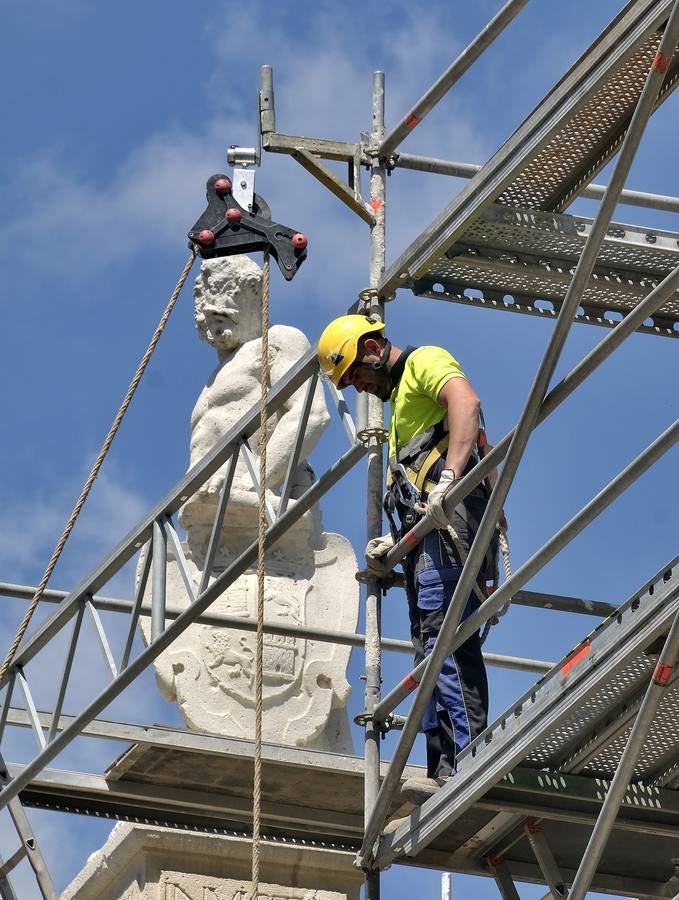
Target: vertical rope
{"type": "Point", "coordinates": [503, 543]}
{"type": "Point", "coordinates": [259, 651]}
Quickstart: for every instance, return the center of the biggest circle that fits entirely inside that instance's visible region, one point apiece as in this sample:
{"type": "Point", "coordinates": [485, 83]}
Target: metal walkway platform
{"type": "Point", "coordinates": [571, 728]}
{"type": "Point", "coordinates": [550, 158]}
{"type": "Point", "coordinates": [203, 783]}
{"type": "Point", "coordinates": [523, 261]}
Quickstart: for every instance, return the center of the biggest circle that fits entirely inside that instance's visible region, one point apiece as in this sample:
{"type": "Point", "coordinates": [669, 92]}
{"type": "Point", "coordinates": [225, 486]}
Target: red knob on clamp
{"type": "Point", "coordinates": [206, 237]}
{"type": "Point", "coordinates": [222, 186]}
{"type": "Point", "coordinates": [233, 216]}
{"type": "Point", "coordinates": [299, 241]}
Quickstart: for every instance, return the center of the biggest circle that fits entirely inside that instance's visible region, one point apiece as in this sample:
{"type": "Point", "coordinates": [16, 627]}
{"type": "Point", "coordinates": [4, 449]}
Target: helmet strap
{"type": "Point", "coordinates": [382, 363]}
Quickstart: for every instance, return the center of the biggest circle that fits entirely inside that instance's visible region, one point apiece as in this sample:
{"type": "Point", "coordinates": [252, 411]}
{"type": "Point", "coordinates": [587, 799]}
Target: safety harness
{"type": "Point", "coordinates": [414, 471]}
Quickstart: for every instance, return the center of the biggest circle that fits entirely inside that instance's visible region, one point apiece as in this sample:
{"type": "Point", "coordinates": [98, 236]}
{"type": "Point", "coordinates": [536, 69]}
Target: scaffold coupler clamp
{"type": "Point", "coordinates": [384, 582]}
{"type": "Point", "coordinates": [391, 723]}
{"type": "Point", "coordinates": [368, 303]}
{"type": "Point", "coordinates": [239, 221]}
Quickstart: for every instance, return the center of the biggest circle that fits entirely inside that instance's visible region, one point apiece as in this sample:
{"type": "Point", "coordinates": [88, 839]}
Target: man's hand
{"type": "Point", "coordinates": [433, 509]}
{"type": "Point", "coordinates": [376, 550]}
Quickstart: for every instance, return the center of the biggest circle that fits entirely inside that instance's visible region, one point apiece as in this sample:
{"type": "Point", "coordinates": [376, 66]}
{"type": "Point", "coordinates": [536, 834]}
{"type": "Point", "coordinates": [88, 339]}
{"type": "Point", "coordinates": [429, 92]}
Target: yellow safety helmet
{"type": "Point", "coordinates": [338, 345]}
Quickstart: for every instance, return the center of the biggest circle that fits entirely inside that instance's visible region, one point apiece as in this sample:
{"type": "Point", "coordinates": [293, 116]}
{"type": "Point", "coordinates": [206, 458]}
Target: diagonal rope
{"type": "Point", "coordinates": [259, 652]}
{"type": "Point", "coordinates": [68, 528]}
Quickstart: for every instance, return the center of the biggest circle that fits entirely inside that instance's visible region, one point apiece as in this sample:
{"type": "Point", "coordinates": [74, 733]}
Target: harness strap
{"type": "Point", "coordinates": [417, 458]}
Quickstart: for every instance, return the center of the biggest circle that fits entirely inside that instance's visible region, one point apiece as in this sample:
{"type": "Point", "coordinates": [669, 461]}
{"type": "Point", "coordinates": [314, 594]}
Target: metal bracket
{"type": "Point", "coordinates": [243, 159]}
{"type": "Point", "coordinates": [350, 196]}
{"type": "Point", "coordinates": [244, 187]}
{"type": "Point", "coordinates": [227, 228]}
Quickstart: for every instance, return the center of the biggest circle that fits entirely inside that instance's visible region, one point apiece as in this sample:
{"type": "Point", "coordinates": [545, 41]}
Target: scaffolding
{"type": "Point", "coordinates": [538, 796]}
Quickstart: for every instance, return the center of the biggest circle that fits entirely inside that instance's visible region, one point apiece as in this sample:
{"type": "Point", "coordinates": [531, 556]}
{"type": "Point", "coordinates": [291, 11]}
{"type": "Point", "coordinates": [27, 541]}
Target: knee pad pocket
{"type": "Point", "coordinates": [435, 587]}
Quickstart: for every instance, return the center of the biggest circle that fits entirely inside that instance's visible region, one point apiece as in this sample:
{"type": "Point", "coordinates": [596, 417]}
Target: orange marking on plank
{"type": "Point", "coordinates": [412, 120]}
{"type": "Point", "coordinates": [409, 683]}
{"type": "Point", "coordinates": [575, 658]}
{"type": "Point", "coordinates": [662, 673]}
{"type": "Point", "coordinates": [661, 63]}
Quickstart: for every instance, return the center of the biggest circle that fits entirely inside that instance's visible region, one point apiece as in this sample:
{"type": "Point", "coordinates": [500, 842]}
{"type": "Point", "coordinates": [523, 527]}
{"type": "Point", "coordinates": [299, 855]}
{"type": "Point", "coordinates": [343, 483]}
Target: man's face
{"type": "Point", "coordinates": [373, 381]}
{"type": "Point", "coordinates": [227, 325]}
{"type": "Point", "coordinates": [220, 325]}
{"type": "Point", "coordinates": [228, 302]}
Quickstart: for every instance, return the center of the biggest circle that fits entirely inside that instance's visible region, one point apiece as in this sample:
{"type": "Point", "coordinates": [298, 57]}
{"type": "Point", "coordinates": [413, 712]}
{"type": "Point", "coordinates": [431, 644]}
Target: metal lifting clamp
{"type": "Point", "coordinates": [239, 221]}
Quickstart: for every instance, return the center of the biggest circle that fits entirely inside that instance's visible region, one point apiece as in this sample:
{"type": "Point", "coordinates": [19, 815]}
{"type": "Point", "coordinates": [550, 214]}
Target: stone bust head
{"type": "Point", "coordinates": [228, 302]}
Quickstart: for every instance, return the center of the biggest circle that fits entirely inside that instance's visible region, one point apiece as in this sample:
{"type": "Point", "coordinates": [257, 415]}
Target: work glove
{"type": "Point", "coordinates": [376, 550]}
{"type": "Point", "coordinates": [433, 508]}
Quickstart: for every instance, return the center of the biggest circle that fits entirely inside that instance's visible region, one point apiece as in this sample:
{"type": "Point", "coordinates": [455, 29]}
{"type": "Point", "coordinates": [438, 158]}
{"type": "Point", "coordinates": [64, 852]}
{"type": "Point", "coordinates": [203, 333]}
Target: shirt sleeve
{"type": "Point", "coordinates": [435, 367]}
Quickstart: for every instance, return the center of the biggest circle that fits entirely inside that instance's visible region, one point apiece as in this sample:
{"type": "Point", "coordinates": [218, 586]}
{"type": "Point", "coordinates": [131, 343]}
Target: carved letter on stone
{"type": "Point", "coordinates": [180, 886]}
{"type": "Point", "coordinates": [309, 581]}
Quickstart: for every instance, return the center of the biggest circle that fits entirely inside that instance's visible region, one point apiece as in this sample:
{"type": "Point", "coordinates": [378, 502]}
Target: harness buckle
{"type": "Point", "coordinates": [406, 492]}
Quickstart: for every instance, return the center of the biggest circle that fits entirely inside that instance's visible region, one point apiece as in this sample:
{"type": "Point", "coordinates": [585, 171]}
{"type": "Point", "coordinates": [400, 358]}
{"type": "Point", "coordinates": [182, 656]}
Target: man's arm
{"type": "Point", "coordinates": [462, 405]}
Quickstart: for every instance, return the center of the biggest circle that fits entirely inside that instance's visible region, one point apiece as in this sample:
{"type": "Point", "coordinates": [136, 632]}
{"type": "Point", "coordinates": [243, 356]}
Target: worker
{"type": "Point", "coordinates": [433, 442]}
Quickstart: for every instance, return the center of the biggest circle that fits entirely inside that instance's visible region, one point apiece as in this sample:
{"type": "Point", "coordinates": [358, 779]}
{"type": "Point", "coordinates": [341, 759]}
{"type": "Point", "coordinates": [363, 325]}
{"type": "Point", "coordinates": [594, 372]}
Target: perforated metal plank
{"type": "Point", "coordinates": [518, 258]}
{"type": "Point", "coordinates": [571, 159]}
{"type": "Point", "coordinates": [663, 739]}
{"type": "Point", "coordinates": [608, 663]}
{"type": "Point", "coordinates": [560, 146]}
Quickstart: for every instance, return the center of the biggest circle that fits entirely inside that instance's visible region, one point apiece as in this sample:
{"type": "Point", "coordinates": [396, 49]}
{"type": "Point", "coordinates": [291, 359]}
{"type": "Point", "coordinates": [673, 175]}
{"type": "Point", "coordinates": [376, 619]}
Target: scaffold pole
{"type": "Point", "coordinates": [374, 415]}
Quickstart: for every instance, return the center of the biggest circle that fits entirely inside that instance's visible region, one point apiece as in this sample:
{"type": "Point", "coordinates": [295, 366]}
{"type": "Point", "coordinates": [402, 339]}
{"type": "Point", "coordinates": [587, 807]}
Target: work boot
{"type": "Point", "coordinates": [420, 787]}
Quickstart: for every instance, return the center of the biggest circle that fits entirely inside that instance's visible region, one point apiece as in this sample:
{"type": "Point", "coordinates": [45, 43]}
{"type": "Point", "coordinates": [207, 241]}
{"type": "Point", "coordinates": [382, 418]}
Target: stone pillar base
{"type": "Point", "coordinates": [142, 862]}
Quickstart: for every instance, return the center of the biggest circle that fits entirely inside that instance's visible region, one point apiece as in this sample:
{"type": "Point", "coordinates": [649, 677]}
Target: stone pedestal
{"type": "Point", "coordinates": [141, 862]}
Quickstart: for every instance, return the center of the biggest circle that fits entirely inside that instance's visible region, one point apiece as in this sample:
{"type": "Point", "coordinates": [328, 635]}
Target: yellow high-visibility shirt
{"type": "Point", "coordinates": [414, 400]}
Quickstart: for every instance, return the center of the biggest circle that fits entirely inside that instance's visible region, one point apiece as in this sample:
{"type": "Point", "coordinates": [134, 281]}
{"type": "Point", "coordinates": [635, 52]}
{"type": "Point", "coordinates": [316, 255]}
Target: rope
{"type": "Point", "coordinates": [503, 543]}
{"type": "Point", "coordinates": [259, 653]}
{"type": "Point", "coordinates": [68, 528]}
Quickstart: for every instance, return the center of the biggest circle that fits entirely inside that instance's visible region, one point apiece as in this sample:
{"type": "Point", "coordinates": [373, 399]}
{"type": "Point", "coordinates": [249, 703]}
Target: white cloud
{"type": "Point", "coordinates": [31, 526]}
{"type": "Point", "coordinates": [322, 89]}
{"type": "Point", "coordinates": [152, 199]}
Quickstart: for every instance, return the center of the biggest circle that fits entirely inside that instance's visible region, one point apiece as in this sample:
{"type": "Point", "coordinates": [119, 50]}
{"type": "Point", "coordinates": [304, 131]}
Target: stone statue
{"type": "Point", "coordinates": [210, 671]}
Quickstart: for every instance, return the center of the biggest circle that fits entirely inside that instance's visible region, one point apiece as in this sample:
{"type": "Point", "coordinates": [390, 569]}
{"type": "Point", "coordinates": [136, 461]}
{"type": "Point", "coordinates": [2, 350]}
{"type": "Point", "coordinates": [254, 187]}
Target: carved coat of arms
{"type": "Point", "coordinates": [229, 654]}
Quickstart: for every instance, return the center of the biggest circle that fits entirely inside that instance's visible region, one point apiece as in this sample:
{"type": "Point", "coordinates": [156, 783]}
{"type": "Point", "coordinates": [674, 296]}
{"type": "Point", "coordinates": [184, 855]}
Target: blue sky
{"type": "Point", "coordinates": [114, 120]}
